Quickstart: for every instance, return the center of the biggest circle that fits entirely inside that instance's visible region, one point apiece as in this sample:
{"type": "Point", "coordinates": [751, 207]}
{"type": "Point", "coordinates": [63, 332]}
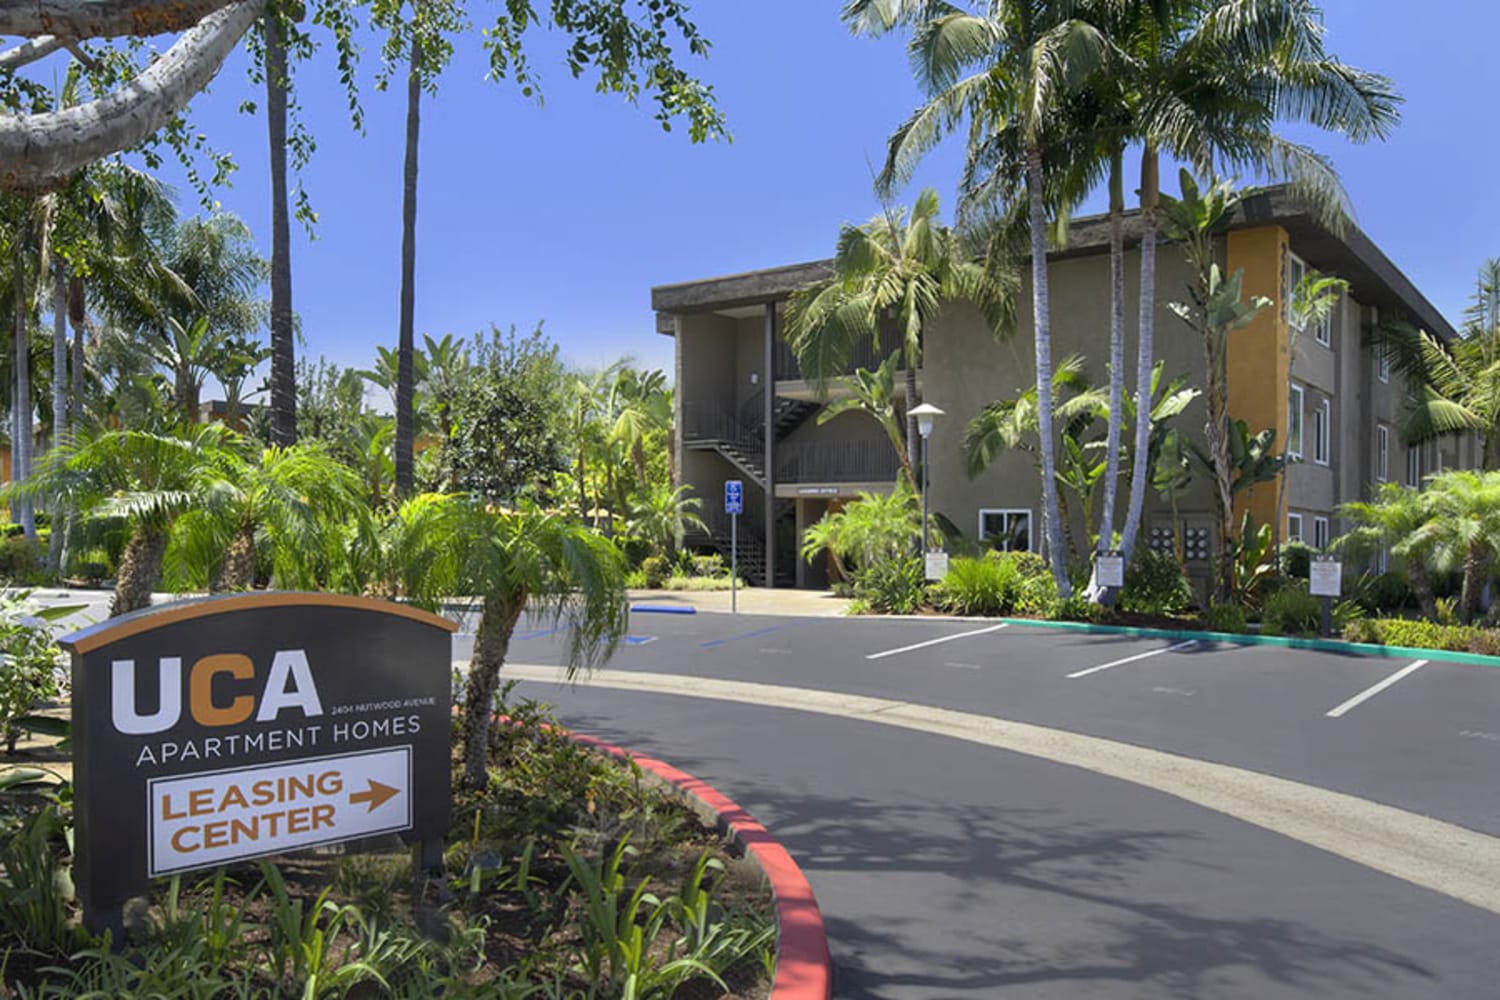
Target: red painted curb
{"type": "Point", "coordinates": [804, 970]}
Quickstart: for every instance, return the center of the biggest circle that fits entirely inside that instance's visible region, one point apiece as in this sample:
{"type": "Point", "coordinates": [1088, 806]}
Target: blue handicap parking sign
{"type": "Point", "coordinates": [734, 496]}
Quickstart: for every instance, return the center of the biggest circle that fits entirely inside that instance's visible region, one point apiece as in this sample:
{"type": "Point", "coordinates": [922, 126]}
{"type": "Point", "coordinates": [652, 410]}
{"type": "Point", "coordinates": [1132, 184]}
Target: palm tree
{"type": "Point", "coordinates": [292, 503]}
{"type": "Point", "coordinates": [1397, 520]}
{"type": "Point", "coordinates": [874, 394]}
{"type": "Point", "coordinates": [662, 514]}
{"type": "Point", "coordinates": [1453, 388]}
{"type": "Point", "coordinates": [1206, 83]}
{"type": "Point", "coordinates": [643, 405]}
{"type": "Point", "coordinates": [1009, 71]}
{"type": "Point", "coordinates": [148, 479]}
{"type": "Point", "coordinates": [892, 273]}
{"type": "Point", "coordinates": [1465, 529]}
{"type": "Point", "coordinates": [26, 223]}
{"type": "Point", "coordinates": [566, 573]}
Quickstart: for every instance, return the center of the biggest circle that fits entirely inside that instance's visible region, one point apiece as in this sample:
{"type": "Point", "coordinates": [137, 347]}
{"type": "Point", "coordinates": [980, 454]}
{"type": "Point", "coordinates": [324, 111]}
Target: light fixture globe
{"type": "Point", "coordinates": [926, 415]}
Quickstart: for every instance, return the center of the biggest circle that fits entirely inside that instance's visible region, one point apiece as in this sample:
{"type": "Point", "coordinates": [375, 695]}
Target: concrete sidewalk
{"type": "Point", "coordinates": [751, 600]}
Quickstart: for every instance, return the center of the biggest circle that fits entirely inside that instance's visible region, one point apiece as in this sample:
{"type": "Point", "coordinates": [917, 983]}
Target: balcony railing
{"type": "Point", "coordinates": [717, 422]}
{"type": "Point", "coordinates": [863, 356]}
{"type": "Point", "coordinates": [837, 462]}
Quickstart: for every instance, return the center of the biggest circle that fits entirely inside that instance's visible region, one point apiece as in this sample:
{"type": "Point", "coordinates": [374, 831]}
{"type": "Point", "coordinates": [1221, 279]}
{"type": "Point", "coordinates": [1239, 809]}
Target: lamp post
{"type": "Point", "coordinates": [926, 415]}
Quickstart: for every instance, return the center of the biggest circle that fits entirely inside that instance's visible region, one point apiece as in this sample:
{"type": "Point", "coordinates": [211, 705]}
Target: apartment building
{"type": "Point", "coordinates": [745, 411]}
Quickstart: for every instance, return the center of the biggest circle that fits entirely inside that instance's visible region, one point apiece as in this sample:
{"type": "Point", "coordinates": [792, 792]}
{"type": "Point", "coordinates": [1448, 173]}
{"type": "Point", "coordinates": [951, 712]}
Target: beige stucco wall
{"type": "Point", "coordinates": [967, 368]}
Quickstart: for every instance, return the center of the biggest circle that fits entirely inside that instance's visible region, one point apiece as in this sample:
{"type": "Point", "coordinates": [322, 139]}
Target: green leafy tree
{"type": "Point", "coordinates": [148, 479]}
{"type": "Point", "coordinates": [890, 278]}
{"type": "Point", "coordinates": [504, 447]}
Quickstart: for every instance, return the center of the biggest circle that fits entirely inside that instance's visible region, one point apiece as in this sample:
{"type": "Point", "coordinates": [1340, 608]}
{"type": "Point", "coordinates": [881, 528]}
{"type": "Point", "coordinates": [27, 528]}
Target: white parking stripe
{"type": "Point", "coordinates": [1372, 691]}
{"type": "Point", "coordinates": [934, 642]}
{"type": "Point", "coordinates": [1132, 659]}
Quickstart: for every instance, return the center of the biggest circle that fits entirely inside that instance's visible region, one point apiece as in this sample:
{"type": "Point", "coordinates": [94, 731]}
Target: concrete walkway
{"type": "Point", "coordinates": [751, 600]}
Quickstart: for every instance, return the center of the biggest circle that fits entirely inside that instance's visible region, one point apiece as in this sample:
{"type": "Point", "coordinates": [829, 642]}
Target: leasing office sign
{"type": "Point", "coordinates": [213, 731]}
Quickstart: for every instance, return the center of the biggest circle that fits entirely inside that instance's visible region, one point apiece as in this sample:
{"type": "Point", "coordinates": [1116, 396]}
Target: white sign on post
{"type": "Point", "coordinates": [937, 565]}
{"type": "Point", "coordinates": [221, 816]}
{"type": "Point", "coordinates": [1325, 576]}
{"type": "Point", "coordinates": [1109, 567]}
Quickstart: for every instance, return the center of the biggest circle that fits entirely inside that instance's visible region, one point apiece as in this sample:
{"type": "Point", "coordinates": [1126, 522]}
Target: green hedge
{"type": "Point", "coordinates": [1424, 635]}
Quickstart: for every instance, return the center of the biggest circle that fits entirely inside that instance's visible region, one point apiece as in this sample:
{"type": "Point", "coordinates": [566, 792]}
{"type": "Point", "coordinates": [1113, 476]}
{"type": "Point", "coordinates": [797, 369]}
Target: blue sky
{"type": "Point", "coordinates": [570, 212]}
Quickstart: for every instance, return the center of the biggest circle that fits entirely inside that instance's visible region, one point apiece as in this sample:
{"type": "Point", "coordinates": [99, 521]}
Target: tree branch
{"type": "Point", "coordinates": [38, 151]}
{"type": "Point", "coordinates": [30, 51]}
{"type": "Point", "coordinates": [103, 18]}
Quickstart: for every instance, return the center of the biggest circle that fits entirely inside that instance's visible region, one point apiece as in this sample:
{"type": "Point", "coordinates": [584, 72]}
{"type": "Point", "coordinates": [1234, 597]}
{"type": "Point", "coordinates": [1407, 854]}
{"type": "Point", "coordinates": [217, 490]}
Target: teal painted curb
{"type": "Point", "coordinates": [1285, 641]}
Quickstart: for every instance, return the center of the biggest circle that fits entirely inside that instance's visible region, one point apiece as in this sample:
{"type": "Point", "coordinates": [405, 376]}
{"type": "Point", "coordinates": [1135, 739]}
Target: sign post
{"type": "Point", "coordinates": [1109, 569]}
{"type": "Point", "coordinates": [1325, 580]}
{"type": "Point", "coordinates": [734, 506]}
{"type": "Point", "coordinates": [214, 731]}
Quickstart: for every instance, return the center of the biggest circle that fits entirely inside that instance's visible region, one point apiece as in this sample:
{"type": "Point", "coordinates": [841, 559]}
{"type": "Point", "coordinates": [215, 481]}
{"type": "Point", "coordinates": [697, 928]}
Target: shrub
{"type": "Point", "coordinates": [1155, 584]}
{"type": "Point", "coordinates": [1077, 609]}
{"type": "Point", "coordinates": [1296, 559]}
{"type": "Point", "coordinates": [30, 667]}
{"type": "Point", "coordinates": [654, 569]}
{"type": "Point", "coordinates": [1038, 590]}
{"type": "Point", "coordinates": [711, 565]}
{"type": "Point", "coordinates": [987, 586]}
{"type": "Point", "coordinates": [1225, 618]}
{"type": "Point", "coordinates": [18, 557]}
{"type": "Point", "coordinates": [1423, 635]}
{"type": "Point", "coordinates": [1291, 611]}
{"type": "Point", "coordinates": [1385, 592]}
{"type": "Point", "coordinates": [894, 586]}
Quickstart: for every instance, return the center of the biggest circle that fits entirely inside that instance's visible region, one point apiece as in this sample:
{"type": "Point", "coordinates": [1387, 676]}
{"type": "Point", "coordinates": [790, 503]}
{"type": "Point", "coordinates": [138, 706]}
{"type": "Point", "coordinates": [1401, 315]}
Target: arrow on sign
{"type": "Point", "coordinates": [377, 794]}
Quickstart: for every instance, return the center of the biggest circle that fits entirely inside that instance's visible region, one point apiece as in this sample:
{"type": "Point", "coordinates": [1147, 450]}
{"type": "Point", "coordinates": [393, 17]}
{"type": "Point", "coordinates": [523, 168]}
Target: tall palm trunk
{"type": "Point", "coordinates": [78, 318]}
{"type": "Point", "coordinates": [1421, 585]}
{"type": "Point", "coordinates": [497, 621]}
{"type": "Point", "coordinates": [1477, 562]}
{"type": "Point", "coordinates": [283, 350]}
{"type": "Point", "coordinates": [237, 570]}
{"type": "Point", "coordinates": [1116, 363]}
{"type": "Point", "coordinates": [1042, 319]}
{"type": "Point", "coordinates": [20, 444]}
{"type": "Point", "coordinates": [140, 565]}
{"type": "Point", "coordinates": [1140, 474]}
{"type": "Point", "coordinates": [405, 371]}
{"type": "Point", "coordinates": [59, 392]}
{"type": "Point", "coordinates": [913, 433]}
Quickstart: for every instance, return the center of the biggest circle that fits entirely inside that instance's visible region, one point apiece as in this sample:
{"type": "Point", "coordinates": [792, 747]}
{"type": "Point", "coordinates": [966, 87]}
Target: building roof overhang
{"type": "Point", "coordinates": [1373, 278]}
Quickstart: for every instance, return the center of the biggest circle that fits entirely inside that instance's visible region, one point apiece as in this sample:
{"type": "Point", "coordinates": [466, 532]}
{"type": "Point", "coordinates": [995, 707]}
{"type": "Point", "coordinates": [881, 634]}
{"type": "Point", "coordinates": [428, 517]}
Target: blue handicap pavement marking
{"type": "Point", "coordinates": [639, 640]}
{"type": "Point", "coordinates": [665, 609]}
{"type": "Point", "coordinates": [734, 638]}
{"type": "Point", "coordinates": [538, 634]}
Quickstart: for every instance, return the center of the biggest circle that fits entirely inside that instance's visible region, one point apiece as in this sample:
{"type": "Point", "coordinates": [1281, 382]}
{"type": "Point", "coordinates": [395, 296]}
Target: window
{"type": "Point", "coordinates": [1323, 328]}
{"type": "Point", "coordinates": [1320, 533]}
{"type": "Point", "coordinates": [1414, 466]}
{"type": "Point", "coordinates": [1296, 270]}
{"type": "Point", "coordinates": [1006, 529]}
{"type": "Point", "coordinates": [1294, 422]}
{"type": "Point", "coordinates": [1383, 365]}
{"type": "Point", "coordinates": [1294, 527]}
{"type": "Point", "coordinates": [1382, 453]}
{"type": "Point", "coordinates": [1322, 432]}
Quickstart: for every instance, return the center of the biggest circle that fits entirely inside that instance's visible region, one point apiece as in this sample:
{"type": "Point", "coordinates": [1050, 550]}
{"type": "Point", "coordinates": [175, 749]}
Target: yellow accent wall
{"type": "Point", "coordinates": [1259, 360]}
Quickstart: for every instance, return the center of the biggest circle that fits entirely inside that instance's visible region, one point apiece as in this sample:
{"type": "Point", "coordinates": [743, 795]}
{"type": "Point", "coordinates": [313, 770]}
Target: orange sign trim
{"type": "Point", "coordinates": [149, 619]}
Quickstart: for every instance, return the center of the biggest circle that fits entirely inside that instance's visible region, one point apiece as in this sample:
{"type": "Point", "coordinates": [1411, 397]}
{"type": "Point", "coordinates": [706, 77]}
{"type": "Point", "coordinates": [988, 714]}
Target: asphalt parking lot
{"type": "Point", "coordinates": [1429, 742]}
{"type": "Point", "coordinates": [950, 869]}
